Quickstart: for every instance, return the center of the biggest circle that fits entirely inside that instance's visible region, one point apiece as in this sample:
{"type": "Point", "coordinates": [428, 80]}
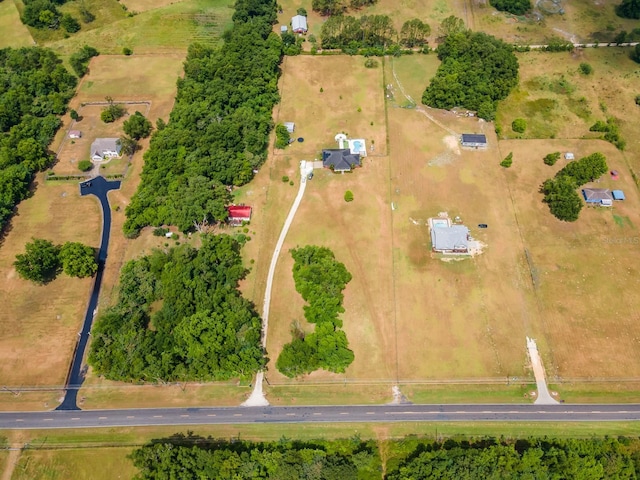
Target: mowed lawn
{"type": "Point", "coordinates": [82, 463]}
{"type": "Point", "coordinates": [14, 33]}
{"type": "Point", "coordinates": [587, 281]}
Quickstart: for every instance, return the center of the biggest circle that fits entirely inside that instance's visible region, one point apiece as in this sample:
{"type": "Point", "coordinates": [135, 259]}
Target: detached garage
{"type": "Point", "coordinates": [474, 140]}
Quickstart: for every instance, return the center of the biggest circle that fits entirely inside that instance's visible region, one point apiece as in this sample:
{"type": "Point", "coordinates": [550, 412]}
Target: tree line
{"type": "Point", "coordinates": [560, 192]}
{"type": "Point", "coordinates": [320, 280]}
{"type": "Point", "coordinates": [371, 31]}
{"type": "Point", "coordinates": [218, 131]}
{"type": "Point", "coordinates": [179, 317]}
{"type": "Point", "coordinates": [476, 72]}
{"type": "Point", "coordinates": [35, 89]}
{"type": "Point", "coordinates": [409, 458]}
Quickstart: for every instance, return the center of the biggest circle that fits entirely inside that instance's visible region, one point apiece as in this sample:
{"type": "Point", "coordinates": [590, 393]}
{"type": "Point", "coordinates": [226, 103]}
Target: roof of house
{"type": "Point", "coordinates": [596, 194]}
{"type": "Point", "coordinates": [618, 195]}
{"type": "Point", "coordinates": [569, 156]}
{"type": "Point", "coordinates": [290, 126]}
{"type": "Point", "coordinates": [239, 211]}
{"type": "Point", "coordinates": [474, 138]}
{"type": "Point", "coordinates": [299, 22]}
{"type": "Point", "coordinates": [341, 159]}
{"type": "Point", "coordinates": [75, 133]}
{"type": "Point", "coordinates": [454, 237]}
{"type": "Point", "coordinates": [100, 145]}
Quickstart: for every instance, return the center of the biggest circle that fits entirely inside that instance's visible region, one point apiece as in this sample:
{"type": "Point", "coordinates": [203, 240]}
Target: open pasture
{"type": "Point", "coordinates": [586, 281]}
{"type": "Point", "coordinates": [14, 32]}
{"type": "Point", "coordinates": [559, 102]}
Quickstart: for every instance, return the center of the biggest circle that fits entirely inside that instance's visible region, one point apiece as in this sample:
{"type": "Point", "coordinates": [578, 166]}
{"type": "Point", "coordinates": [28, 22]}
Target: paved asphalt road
{"type": "Point", "coordinates": [99, 187]}
{"type": "Point", "coordinates": [334, 414]}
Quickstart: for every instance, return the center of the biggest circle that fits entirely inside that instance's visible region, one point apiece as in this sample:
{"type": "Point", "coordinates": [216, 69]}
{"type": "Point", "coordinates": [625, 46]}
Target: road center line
{"type": "Point", "coordinates": [211, 415]}
{"type": "Point", "coordinates": [157, 416]}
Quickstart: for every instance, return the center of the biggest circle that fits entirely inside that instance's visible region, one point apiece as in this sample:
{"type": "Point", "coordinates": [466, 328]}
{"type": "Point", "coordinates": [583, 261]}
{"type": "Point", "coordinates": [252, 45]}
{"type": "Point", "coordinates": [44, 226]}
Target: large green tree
{"type": "Point", "coordinates": [451, 26]}
{"type": "Point", "coordinates": [414, 33]}
{"type": "Point", "coordinates": [78, 260]}
{"type": "Point", "coordinates": [40, 262]}
{"type": "Point", "coordinates": [137, 126]}
{"type": "Point", "coordinates": [629, 9]}
{"type": "Point", "coordinates": [516, 7]}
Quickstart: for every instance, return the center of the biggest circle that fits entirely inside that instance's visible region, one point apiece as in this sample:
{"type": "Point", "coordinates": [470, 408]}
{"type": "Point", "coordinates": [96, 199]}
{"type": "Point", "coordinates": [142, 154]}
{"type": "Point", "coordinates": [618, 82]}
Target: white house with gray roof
{"type": "Point", "coordinates": [103, 148]}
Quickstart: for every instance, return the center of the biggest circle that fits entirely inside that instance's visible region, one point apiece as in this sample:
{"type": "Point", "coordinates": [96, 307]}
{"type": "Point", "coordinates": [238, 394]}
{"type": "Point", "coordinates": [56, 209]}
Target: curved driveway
{"type": "Point", "coordinates": [320, 414]}
{"type": "Point", "coordinates": [99, 187]}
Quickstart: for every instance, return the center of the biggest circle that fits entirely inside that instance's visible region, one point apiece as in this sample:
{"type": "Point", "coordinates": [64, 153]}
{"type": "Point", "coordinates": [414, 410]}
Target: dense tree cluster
{"type": "Point", "coordinates": [178, 457]}
{"type": "Point", "coordinates": [80, 60]}
{"type": "Point", "coordinates": [320, 280]}
{"type": "Point", "coordinates": [477, 71]}
{"type": "Point", "coordinates": [282, 136]}
{"type": "Point", "coordinates": [546, 458]}
{"type": "Point", "coordinates": [560, 192]}
{"type": "Point", "coordinates": [218, 131]}
{"type": "Point", "coordinates": [340, 31]}
{"type": "Point", "coordinates": [180, 317]}
{"type": "Point", "coordinates": [629, 9]}
{"type": "Point", "coordinates": [42, 261]}
{"type": "Point", "coordinates": [34, 90]}
{"type": "Point", "coordinates": [516, 7]}
{"type": "Point", "coordinates": [45, 14]}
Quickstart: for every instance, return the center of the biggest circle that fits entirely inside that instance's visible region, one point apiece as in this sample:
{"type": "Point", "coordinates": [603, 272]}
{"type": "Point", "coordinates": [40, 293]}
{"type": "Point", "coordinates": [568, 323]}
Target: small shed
{"type": "Point", "coordinates": [618, 195]}
{"type": "Point", "coordinates": [284, 29]}
{"type": "Point", "coordinates": [474, 140]}
{"type": "Point", "coordinates": [238, 214]}
{"type": "Point", "coordinates": [290, 126]}
{"type": "Point", "coordinates": [569, 156]}
{"type": "Point", "coordinates": [600, 196]}
{"type": "Point", "coordinates": [75, 134]}
{"type": "Point", "coordinates": [299, 24]}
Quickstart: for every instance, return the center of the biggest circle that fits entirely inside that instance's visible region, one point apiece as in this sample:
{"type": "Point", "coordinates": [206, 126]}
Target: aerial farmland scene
{"type": "Point", "coordinates": [319, 239]}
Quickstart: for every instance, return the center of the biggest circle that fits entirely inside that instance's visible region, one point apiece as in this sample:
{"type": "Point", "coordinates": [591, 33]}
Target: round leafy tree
{"type": "Point", "coordinates": [85, 165]}
{"type": "Point", "coordinates": [348, 196]}
{"type": "Point", "coordinates": [137, 126]}
{"type": "Point", "coordinates": [40, 262]}
{"type": "Point", "coordinates": [519, 125]}
{"type": "Point", "coordinates": [78, 260]}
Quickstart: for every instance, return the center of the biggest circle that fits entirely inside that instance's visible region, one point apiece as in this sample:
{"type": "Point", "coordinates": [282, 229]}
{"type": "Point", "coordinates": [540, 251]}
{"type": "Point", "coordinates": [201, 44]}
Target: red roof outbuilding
{"type": "Point", "coordinates": [239, 214]}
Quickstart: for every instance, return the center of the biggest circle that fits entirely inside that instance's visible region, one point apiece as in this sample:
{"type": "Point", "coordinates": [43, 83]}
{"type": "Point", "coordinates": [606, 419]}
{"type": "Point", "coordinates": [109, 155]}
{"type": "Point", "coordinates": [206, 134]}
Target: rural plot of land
{"type": "Point", "coordinates": [324, 96]}
{"type": "Point", "coordinates": [585, 272]}
{"type": "Point", "coordinates": [357, 232]}
{"type": "Point", "coordinates": [455, 319]}
{"type": "Point", "coordinates": [14, 32]}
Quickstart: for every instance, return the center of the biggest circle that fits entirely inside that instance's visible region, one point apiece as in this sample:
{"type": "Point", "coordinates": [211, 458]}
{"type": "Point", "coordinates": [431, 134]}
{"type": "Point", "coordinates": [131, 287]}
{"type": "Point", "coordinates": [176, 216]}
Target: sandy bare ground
{"type": "Point", "coordinates": [544, 397]}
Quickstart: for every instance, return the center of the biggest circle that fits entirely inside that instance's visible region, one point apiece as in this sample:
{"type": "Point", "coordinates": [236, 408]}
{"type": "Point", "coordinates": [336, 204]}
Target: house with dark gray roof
{"type": "Point", "coordinates": [474, 140]}
{"type": "Point", "coordinates": [340, 159]}
{"type": "Point", "coordinates": [103, 148]}
{"type": "Point", "coordinates": [453, 239]}
{"type": "Point", "coordinates": [600, 196]}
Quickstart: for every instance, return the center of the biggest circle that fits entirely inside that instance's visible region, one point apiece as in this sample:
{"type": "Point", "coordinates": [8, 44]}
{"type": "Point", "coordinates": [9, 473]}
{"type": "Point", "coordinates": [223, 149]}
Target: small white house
{"type": "Point", "coordinates": [284, 29]}
{"type": "Point", "coordinates": [299, 24]}
{"type": "Point", "coordinates": [103, 148]}
{"type": "Point", "coordinates": [75, 134]}
{"type": "Point", "coordinates": [569, 156]}
{"type": "Point", "coordinates": [290, 126]}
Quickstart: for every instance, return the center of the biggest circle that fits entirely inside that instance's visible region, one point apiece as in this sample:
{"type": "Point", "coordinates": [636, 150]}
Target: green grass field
{"type": "Point", "coordinates": [14, 33]}
{"type": "Point", "coordinates": [161, 30]}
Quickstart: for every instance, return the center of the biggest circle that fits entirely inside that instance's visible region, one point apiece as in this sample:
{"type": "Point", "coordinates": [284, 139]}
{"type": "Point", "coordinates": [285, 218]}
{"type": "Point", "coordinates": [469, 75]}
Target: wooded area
{"type": "Point", "coordinates": [35, 89]}
{"type": "Point", "coordinates": [320, 280]}
{"type": "Point", "coordinates": [477, 71]}
{"type": "Point", "coordinates": [180, 316]}
{"type": "Point", "coordinates": [218, 131]}
{"type": "Point", "coordinates": [409, 458]}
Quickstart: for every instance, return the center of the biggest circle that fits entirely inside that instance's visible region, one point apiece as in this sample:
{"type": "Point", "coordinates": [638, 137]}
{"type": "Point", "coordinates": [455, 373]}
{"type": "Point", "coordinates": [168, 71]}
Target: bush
{"type": "Point", "coordinates": [586, 69]}
{"type": "Point", "coordinates": [80, 60]}
{"type": "Point", "coordinates": [285, 179]}
{"type": "Point", "coordinates": [70, 24]}
{"type": "Point", "coordinates": [302, 11]}
{"type": "Point", "coordinates": [552, 158]}
{"type": "Point", "coordinates": [611, 132]}
{"type": "Point", "coordinates": [508, 160]}
{"type": "Point", "coordinates": [86, 15]}
{"type": "Point", "coordinates": [113, 112]}
{"type": "Point", "coordinates": [370, 63]}
{"type": "Point", "coordinates": [348, 196]}
{"type": "Point", "coordinates": [282, 136]}
{"type": "Point", "coordinates": [516, 7]}
{"type": "Point", "coordinates": [519, 125]}
{"type": "Point", "coordinates": [160, 231]}
{"type": "Point", "coordinates": [85, 165]}
{"type": "Point", "coordinates": [74, 115]}
{"type": "Point", "coordinates": [127, 51]}
{"type": "Point", "coordinates": [638, 100]}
